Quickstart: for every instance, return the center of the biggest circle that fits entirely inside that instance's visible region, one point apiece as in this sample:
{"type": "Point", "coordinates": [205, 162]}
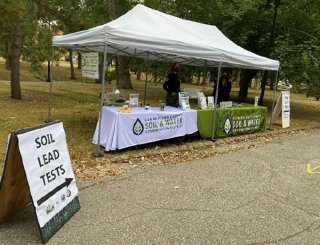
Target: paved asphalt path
{"type": "Point", "coordinates": [261, 195]}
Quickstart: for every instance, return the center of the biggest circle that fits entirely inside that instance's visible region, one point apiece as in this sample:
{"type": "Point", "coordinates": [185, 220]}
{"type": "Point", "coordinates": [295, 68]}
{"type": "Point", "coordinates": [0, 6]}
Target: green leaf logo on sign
{"type": "Point", "coordinates": [138, 127]}
{"type": "Point", "coordinates": [227, 126]}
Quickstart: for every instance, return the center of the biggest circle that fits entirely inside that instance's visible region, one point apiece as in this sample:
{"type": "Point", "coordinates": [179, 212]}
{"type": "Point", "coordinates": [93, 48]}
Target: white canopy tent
{"type": "Point", "coordinates": [147, 33]}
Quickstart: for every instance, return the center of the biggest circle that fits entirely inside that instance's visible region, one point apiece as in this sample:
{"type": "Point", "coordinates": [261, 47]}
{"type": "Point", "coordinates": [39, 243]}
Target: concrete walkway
{"type": "Point", "coordinates": [261, 195]}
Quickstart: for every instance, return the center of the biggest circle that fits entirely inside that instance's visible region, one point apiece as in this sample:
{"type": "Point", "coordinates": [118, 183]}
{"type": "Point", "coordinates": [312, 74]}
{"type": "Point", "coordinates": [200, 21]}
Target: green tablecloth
{"type": "Point", "coordinates": [232, 121]}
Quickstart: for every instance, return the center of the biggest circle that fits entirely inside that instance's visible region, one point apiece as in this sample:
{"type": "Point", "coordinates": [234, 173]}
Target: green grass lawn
{"type": "Point", "coordinates": [76, 104]}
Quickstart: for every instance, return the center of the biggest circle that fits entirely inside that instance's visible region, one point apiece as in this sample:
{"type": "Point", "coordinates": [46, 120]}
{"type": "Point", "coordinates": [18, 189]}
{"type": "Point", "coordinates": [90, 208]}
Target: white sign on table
{"type": "Point", "coordinates": [202, 101]}
{"type": "Point", "coordinates": [225, 104]}
{"type": "Point", "coordinates": [256, 100]}
{"type": "Point", "coordinates": [210, 102]}
{"type": "Point", "coordinates": [134, 100]}
{"type": "Point", "coordinates": [184, 101]}
{"type": "Point", "coordinates": [90, 65]}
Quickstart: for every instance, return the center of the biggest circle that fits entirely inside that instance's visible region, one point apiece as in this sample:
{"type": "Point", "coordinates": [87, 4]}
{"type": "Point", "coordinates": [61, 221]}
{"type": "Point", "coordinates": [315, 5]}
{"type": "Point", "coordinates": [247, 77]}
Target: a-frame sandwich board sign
{"type": "Point", "coordinates": [283, 107]}
{"type": "Point", "coordinates": [38, 169]}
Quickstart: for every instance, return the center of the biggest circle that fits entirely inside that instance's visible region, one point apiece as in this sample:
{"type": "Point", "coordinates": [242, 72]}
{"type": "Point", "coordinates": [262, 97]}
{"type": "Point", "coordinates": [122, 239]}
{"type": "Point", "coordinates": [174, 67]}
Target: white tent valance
{"type": "Point", "coordinates": [147, 33]}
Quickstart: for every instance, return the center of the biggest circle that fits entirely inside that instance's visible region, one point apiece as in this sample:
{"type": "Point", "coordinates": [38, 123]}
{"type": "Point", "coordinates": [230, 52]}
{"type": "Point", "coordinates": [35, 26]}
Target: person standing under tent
{"type": "Point", "coordinates": [172, 86]}
{"type": "Point", "coordinates": [224, 88]}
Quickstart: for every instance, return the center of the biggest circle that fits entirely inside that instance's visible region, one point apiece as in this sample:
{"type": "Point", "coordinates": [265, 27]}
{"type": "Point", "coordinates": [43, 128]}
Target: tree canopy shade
{"type": "Point", "coordinates": [147, 33]}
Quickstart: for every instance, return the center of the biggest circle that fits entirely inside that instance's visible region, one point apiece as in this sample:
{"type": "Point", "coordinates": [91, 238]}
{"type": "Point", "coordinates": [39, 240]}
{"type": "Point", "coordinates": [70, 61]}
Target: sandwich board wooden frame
{"type": "Point", "coordinates": [15, 184]}
{"type": "Point", "coordinates": [283, 107]}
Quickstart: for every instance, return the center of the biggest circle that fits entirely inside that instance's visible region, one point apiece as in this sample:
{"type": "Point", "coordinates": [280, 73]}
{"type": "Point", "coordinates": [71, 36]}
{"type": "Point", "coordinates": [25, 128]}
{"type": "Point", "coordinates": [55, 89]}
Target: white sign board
{"type": "Point", "coordinates": [134, 100]}
{"type": "Point", "coordinates": [225, 104]}
{"type": "Point", "coordinates": [285, 109]}
{"type": "Point", "coordinates": [184, 101]}
{"type": "Point", "coordinates": [203, 103]}
{"type": "Point", "coordinates": [210, 102]}
{"type": "Point", "coordinates": [48, 170]}
{"type": "Point", "coordinates": [256, 100]}
{"type": "Point", "coordinates": [90, 65]}
{"type": "Point", "coordinates": [200, 95]}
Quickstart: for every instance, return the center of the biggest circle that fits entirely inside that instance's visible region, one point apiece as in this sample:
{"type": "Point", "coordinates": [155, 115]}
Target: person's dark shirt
{"type": "Point", "coordinates": [172, 84]}
{"type": "Point", "coordinates": [224, 91]}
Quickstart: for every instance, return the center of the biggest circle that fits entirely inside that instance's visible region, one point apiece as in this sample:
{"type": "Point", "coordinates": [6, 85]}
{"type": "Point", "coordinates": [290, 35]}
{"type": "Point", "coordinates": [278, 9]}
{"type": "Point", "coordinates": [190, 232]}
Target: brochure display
{"type": "Point", "coordinates": [134, 100]}
{"type": "Point", "coordinates": [226, 104]}
{"type": "Point", "coordinates": [184, 101]}
{"type": "Point", "coordinates": [201, 103]}
{"type": "Point", "coordinates": [210, 102]}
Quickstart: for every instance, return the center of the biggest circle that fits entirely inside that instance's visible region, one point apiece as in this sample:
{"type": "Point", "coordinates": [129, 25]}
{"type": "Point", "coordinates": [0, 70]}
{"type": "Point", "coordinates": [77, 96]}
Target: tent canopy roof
{"type": "Point", "coordinates": [147, 33]}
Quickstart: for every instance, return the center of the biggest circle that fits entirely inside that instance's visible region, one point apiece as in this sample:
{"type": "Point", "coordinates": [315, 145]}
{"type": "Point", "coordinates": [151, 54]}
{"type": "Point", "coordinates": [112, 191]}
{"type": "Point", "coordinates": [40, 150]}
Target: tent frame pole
{"type": "Point", "coordinates": [204, 76]}
{"type": "Point", "coordinates": [273, 98]}
{"type": "Point", "coordinates": [146, 84]}
{"type": "Point", "coordinates": [213, 138]}
{"type": "Point", "coordinates": [50, 87]}
{"type": "Point", "coordinates": [217, 88]}
{"type": "Point", "coordinates": [99, 152]}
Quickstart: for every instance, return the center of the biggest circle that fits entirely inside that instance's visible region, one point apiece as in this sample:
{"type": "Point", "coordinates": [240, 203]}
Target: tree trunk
{"type": "Point", "coordinates": [198, 77]}
{"type": "Point", "coordinates": [8, 56]}
{"type": "Point", "coordinates": [263, 87]}
{"type": "Point", "coordinates": [155, 78]}
{"type": "Point", "coordinates": [117, 70]}
{"type": "Point", "coordinates": [138, 73]}
{"type": "Point", "coordinates": [72, 74]}
{"type": "Point", "coordinates": [79, 60]}
{"type": "Point", "coordinates": [265, 75]}
{"type": "Point", "coordinates": [123, 73]}
{"type": "Point", "coordinates": [16, 45]}
{"type": "Point", "coordinates": [237, 79]}
{"type": "Point", "coordinates": [49, 71]}
{"type": "Point", "coordinates": [100, 68]}
{"type": "Point", "coordinates": [245, 79]}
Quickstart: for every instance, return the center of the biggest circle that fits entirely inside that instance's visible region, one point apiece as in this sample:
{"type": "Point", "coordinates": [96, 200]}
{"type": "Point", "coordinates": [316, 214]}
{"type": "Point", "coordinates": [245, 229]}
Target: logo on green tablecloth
{"type": "Point", "coordinates": [138, 127]}
{"type": "Point", "coordinates": [227, 126]}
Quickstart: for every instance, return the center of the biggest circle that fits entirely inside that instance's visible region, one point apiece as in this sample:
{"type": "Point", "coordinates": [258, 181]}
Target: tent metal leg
{"type": "Point", "coordinates": [145, 90]}
{"type": "Point", "coordinates": [204, 76]}
{"type": "Point", "coordinates": [145, 86]}
{"type": "Point", "coordinates": [50, 87]}
{"type": "Point", "coordinates": [99, 152]}
{"type": "Point", "coordinates": [213, 138]}
{"type": "Point", "coordinates": [273, 99]}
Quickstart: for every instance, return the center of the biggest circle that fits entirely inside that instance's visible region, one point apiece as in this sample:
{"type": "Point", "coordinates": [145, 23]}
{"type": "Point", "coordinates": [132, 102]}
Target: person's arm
{"type": "Point", "coordinates": [168, 84]}
{"type": "Point", "coordinates": [179, 86]}
{"type": "Point", "coordinates": [165, 85]}
{"type": "Point", "coordinates": [176, 85]}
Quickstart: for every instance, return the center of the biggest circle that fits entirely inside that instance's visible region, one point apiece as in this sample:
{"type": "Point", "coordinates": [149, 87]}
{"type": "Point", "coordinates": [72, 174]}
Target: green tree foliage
{"type": "Point", "coordinates": [248, 23]}
{"type": "Point", "coordinates": [16, 19]}
{"type": "Point", "coordinates": [297, 44]}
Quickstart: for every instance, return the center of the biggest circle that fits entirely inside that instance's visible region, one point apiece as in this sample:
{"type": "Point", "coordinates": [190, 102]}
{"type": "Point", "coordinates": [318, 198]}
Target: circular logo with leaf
{"type": "Point", "coordinates": [227, 126]}
{"type": "Point", "coordinates": [138, 127]}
